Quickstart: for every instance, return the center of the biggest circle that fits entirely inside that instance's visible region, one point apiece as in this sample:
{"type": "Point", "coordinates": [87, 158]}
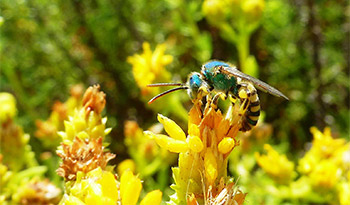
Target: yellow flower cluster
{"type": "Point", "coordinates": [14, 145]}
{"type": "Point", "coordinates": [87, 122]}
{"type": "Point", "coordinates": [18, 165]}
{"type": "Point", "coordinates": [275, 165]}
{"type": "Point", "coordinates": [94, 187]}
{"type": "Point", "coordinates": [324, 170]}
{"type": "Point", "coordinates": [216, 11]}
{"type": "Point", "coordinates": [327, 164]}
{"type": "Point", "coordinates": [202, 172]}
{"type": "Point", "coordinates": [84, 160]}
{"type": "Point", "coordinates": [149, 67]}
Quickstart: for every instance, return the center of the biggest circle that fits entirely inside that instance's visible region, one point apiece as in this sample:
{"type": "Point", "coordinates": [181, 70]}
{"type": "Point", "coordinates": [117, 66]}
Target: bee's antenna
{"type": "Point", "coordinates": [166, 92]}
{"type": "Point", "coordinates": [165, 84]}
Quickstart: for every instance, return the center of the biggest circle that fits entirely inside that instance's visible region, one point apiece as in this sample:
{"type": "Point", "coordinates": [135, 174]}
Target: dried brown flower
{"type": "Point", "coordinates": [94, 99]}
{"type": "Point", "coordinates": [82, 156]}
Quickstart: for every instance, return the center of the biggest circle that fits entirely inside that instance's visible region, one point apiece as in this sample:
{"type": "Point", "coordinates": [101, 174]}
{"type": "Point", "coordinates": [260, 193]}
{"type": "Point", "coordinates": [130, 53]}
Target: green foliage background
{"type": "Point", "coordinates": [301, 47]}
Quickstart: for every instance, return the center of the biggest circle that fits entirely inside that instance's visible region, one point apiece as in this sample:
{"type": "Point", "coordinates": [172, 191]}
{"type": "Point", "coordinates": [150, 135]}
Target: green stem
{"type": "Point", "coordinates": [243, 49]}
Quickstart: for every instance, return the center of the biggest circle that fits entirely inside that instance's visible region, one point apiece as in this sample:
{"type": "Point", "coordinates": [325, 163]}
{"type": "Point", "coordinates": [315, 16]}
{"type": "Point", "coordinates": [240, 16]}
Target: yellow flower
{"type": "Point", "coordinates": [344, 192]}
{"type": "Point", "coordinates": [96, 187]}
{"type": "Point", "coordinates": [275, 165]}
{"type": "Point", "coordinates": [253, 9]}
{"type": "Point", "coordinates": [203, 152]}
{"type": "Point", "coordinates": [126, 165]}
{"type": "Point", "coordinates": [324, 147]}
{"type": "Point", "coordinates": [327, 164]}
{"type": "Point", "coordinates": [14, 147]}
{"type": "Point", "coordinates": [88, 179]}
{"type": "Point", "coordinates": [177, 142]}
{"type": "Point", "coordinates": [324, 176]}
{"type": "Point", "coordinates": [148, 67]}
{"type": "Point", "coordinates": [87, 122]}
{"type": "Point", "coordinates": [215, 10]}
{"type": "Point", "coordinates": [7, 107]}
{"type": "Point", "coordinates": [130, 188]}
{"type": "Point", "coordinates": [100, 187]}
{"type": "Point", "coordinates": [153, 197]}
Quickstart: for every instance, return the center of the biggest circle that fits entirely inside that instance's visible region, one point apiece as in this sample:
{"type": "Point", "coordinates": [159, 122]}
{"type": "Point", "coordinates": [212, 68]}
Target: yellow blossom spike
{"type": "Point", "coordinates": [226, 145]}
{"type": "Point", "coordinates": [210, 166]}
{"type": "Point", "coordinates": [195, 143]}
{"type": "Point", "coordinates": [130, 188]}
{"type": "Point", "coordinates": [172, 128]}
{"type": "Point", "coordinates": [153, 197]}
{"type": "Point", "coordinates": [200, 163]}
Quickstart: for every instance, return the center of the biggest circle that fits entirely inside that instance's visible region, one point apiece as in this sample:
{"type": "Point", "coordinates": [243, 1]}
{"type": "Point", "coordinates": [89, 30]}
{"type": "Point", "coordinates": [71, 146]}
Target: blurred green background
{"type": "Point", "coordinates": [300, 47]}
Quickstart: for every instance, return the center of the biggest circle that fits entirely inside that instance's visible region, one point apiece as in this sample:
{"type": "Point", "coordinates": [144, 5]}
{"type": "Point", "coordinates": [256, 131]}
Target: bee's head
{"type": "Point", "coordinates": [197, 87]}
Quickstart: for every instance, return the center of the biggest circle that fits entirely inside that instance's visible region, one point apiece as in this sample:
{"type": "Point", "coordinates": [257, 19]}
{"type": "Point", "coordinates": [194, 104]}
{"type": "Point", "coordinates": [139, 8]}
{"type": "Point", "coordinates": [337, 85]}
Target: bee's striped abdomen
{"type": "Point", "coordinates": [251, 116]}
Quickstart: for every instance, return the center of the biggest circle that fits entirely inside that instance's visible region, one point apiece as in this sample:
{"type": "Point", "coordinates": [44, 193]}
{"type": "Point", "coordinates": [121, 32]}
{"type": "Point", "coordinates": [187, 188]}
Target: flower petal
{"type": "Point", "coordinates": [172, 128]}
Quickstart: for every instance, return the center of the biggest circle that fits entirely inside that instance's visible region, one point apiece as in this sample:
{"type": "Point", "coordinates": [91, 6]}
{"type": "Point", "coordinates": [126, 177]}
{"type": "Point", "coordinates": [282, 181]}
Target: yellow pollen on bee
{"type": "Point", "coordinates": [243, 94]}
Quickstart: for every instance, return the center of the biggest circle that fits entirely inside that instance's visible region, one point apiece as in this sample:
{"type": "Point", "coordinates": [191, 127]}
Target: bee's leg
{"type": "Point", "coordinates": [226, 95]}
{"type": "Point", "coordinates": [215, 99]}
{"type": "Point", "coordinates": [244, 96]}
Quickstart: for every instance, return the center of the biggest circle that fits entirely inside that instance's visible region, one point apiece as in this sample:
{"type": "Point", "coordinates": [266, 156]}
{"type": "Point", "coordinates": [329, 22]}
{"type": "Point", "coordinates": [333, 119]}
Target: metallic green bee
{"type": "Point", "coordinates": [225, 80]}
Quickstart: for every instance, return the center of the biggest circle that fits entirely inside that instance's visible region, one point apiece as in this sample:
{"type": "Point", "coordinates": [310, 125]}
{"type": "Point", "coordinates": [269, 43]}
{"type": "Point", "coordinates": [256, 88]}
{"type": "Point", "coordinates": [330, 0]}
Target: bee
{"type": "Point", "coordinates": [225, 80]}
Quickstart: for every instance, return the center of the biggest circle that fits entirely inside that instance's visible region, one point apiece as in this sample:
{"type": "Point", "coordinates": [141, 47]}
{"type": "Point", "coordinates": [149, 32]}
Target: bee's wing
{"type": "Point", "coordinates": [258, 83]}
